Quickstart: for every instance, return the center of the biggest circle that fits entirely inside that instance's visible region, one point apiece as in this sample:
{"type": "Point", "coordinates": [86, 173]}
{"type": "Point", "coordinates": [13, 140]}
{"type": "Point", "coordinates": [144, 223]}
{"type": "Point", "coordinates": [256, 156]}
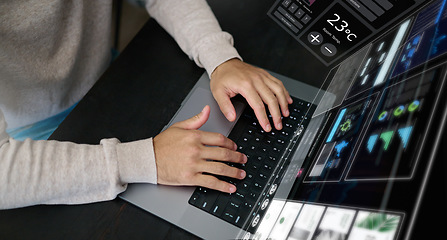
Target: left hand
{"type": "Point", "coordinates": [182, 154]}
{"type": "Point", "coordinates": [256, 85]}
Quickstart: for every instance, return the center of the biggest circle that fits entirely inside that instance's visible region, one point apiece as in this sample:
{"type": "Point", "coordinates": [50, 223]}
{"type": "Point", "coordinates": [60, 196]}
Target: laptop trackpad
{"type": "Point", "coordinates": [217, 122]}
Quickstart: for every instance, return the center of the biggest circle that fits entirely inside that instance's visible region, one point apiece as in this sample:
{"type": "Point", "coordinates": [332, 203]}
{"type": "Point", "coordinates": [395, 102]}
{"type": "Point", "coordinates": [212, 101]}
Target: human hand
{"type": "Point", "coordinates": [256, 85]}
{"type": "Point", "coordinates": [183, 155]}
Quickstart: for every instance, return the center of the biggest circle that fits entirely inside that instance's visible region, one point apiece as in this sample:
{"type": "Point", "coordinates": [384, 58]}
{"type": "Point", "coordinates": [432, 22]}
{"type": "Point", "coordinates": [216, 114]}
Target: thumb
{"type": "Point", "coordinates": [195, 122]}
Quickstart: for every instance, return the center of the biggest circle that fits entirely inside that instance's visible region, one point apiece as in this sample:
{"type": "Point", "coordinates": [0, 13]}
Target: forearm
{"type": "Point", "coordinates": [52, 172]}
{"type": "Point", "coordinates": [196, 30]}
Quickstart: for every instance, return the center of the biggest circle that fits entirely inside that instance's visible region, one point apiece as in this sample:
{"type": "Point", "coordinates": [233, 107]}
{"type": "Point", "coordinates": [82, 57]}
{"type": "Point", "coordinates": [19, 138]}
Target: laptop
{"type": "Point", "coordinates": [155, 198]}
{"type": "Point", "coordinates": [353, 150]}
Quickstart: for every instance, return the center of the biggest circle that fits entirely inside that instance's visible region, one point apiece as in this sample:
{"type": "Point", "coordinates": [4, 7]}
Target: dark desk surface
{"type": "Point", "coordinates": [137, 96]}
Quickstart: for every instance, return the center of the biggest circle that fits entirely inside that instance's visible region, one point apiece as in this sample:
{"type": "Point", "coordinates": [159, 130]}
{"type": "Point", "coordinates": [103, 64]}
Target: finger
{"type": "Point", "coordinates": [280, 83]}
{"type": "Point", "coordinates": [195, 122]}
{"type": "Point", "coordinates": [225, 104]}
{"type": "Point", "coordinates": [221, 169]}
{"type": "Point", "coordinates": [217, 139]}
{"type": "Point", "coordinates": [256, 103]}
{"type": "Point", "coordinates": [212, 182]}
{"type": "Point", "coordinates": [281, 94]}
{"type": "Point", "coordinates": [272, 102]}
{"type": "Point", "coordinates": [223, 154]}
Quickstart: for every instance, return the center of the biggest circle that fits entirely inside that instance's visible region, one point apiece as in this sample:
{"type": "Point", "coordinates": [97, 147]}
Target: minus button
{"type": "Point", "coordinates": [328, 49]}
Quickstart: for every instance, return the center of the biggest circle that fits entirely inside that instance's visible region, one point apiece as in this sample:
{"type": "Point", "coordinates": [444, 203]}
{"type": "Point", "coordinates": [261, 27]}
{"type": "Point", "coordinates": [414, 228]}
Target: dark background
{"type": "Point", "coordinates": [138, 95]}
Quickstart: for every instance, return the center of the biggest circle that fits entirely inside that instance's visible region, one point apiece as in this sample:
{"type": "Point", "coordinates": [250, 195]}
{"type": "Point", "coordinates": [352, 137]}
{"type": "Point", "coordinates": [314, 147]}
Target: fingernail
{"type": "Point", "coordinates": [279, 126]}
{"type": "Point", "coordinates": [268, 128]}
{"type": "Point", "coordinates": [242, 174]}
{"type": "Point", "coordinates": [245, 160]}
{"type": "Point", "coordinates": [230, 116]}
{"type": "Point", "coordinates": [287, 113]}
{"type": "Point", "coordinates": [203, 110]}
{"type": "Point", "coordinates": [232, 189]}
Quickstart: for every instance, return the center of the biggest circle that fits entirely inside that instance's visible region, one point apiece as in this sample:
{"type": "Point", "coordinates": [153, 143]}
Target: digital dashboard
{"type": "Point", "coordinates": [365, 171]}
{"type": "Point", "coordinates": [332, 29]}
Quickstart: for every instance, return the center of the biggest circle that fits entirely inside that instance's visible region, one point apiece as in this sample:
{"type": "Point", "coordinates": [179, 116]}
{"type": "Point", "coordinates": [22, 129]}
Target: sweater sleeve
{"type": "Point", "coordinates": [196, 30]}
{"type": "Point", "coordinates": [53, 172]}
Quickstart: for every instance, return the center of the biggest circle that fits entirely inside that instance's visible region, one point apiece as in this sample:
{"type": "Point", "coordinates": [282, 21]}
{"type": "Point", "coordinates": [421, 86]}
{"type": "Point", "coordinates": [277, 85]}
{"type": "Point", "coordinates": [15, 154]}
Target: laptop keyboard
{"type": "Point", "coordinates": [267, 154]}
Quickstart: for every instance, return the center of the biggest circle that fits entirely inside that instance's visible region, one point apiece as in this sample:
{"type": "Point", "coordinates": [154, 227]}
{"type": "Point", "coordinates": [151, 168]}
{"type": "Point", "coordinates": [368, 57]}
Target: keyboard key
{"type": "Point", "coordinates": [243, 188]}
{"type": "Point", "coordinates": [286, 22]}
{"type": "Point", "coordinates": [194, 200]}
{"type": "Point", "coordinates": [299, 13]}
{"type": "Point", "coordinates": [245, 139]}
{"type": "Point", "coordinates": [208, 202]}
{"type": "Point", "coordinates": [249, 176]}
{"type": "Point", "coordinates": [293, 8]}
{"type": "Point", "coordinates": [252, 196]}
{"type": "Point", "coordinates": [220, 205]}
{"type": "Point", "coordinates": [229, 216]}
{"type": "Point", "coordinates": [251, 130]}
{"type": "Point", "coordinates": [306, 19]}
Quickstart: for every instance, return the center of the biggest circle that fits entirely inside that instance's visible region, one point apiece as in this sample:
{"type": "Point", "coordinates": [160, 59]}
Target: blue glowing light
{"type": "Point", "coordinates": [340, 147]}
{"type": "Point", "coordinates": [337, 123]}
{"type": "Point", "coordinates": [404, 134]}
{"type": "Point", "coordinates": [371, 142]}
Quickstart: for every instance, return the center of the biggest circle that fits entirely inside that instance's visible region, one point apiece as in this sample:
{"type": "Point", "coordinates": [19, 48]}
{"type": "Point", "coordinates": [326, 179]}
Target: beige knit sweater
{"type": "Point", "coordinates": [51, 53]}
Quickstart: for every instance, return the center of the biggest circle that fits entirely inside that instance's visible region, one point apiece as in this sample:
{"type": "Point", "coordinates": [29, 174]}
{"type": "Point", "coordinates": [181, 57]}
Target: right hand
{"type": "Point", "coordinates": [256, 85]}
{"type": "Point", "coordinates": [187, 156]}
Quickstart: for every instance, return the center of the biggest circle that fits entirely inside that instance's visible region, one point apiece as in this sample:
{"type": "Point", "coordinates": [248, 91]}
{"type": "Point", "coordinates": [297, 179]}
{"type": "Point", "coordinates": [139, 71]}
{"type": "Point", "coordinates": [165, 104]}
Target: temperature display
{"type": "Point", "coordinates": [335, 33]}
{"type": "Point", "coordinates": [342, 26]}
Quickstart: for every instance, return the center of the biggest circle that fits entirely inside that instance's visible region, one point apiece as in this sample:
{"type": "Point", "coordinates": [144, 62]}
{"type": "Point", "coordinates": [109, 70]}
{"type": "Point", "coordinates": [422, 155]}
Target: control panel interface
{"type": "Point", "coordinates": [331, 29]}
{"type": "Point", "coordinates": [368, 150]}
